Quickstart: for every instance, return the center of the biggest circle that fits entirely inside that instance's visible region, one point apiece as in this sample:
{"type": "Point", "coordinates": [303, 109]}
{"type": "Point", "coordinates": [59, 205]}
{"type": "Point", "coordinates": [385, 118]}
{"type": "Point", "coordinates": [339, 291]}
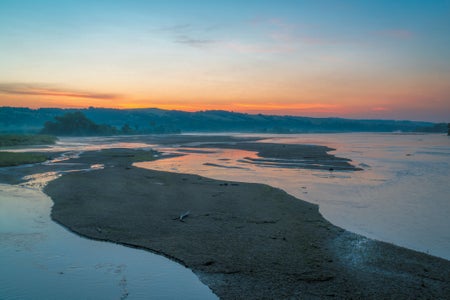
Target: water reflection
{"type": "Point", "coordinates": [401, 196]}
{"type": "Point", "coordinates": [75, 146]}
{"type": "Point", "coordinates": [41, 260]}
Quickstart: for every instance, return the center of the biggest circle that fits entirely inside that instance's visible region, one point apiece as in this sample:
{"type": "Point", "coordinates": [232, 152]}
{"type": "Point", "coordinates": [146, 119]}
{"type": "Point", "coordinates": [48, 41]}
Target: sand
{"type": "Point", "coordinates": [245, 241]}
{"type": "Point", "coordinates": [289, 155]}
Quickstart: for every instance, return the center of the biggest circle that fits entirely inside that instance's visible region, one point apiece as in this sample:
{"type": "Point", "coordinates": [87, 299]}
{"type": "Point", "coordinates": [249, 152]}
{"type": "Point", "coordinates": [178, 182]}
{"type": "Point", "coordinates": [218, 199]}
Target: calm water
{"type": "Point", "coordinates": [402, 196]}
{"type": "Point", "coordinates": [41, 260]}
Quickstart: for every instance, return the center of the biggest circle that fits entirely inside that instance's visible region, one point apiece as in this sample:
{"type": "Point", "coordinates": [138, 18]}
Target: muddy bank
{"type": "Point", "coordinates": [72, 161]}
{"type": "Point", "coordinates": [242, 240]}
{"type": "Point", "coordinates": [69, 160]}
{"type": "Point", "coordinates": [288, 155]}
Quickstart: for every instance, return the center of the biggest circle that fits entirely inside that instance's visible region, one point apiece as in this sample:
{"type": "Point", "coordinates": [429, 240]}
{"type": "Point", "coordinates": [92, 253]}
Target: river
{"type": "Point", "coordinates": [401, 196]}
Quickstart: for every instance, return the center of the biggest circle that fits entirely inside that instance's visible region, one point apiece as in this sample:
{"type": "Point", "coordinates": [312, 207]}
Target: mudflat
{"type": "Point", "coordinates": [288, 155]}
{"type": "Point", "coordinates": [245, 241]}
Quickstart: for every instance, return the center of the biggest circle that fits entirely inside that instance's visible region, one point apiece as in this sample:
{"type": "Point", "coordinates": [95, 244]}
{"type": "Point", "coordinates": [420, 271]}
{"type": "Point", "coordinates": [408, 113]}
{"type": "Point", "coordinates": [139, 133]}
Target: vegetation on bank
{"type": "Point", "coordinates": [127, 156]}
{"type": "Point", "coordinates": [10, 140]}
{"type": "Point", "coordinates": [19, 158]}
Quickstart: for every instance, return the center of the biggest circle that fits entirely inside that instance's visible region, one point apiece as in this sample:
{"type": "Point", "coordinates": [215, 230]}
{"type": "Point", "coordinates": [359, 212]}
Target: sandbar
{"type": "Point", "coordinates": [243, 240]}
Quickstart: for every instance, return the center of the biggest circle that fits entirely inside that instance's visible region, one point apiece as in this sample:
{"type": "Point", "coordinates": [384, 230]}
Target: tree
{"type": "Point", "coordinates": [76, 124]}
{"type": "Point", "coordinates": [126, 129]}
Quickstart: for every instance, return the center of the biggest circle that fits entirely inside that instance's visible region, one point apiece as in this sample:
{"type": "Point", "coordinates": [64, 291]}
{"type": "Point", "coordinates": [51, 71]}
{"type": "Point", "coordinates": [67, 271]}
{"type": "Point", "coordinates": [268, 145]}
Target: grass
{"type": "Point", "coordinates": [144, 156]}
{"type": "Point", "coordinates": [132, 154]}
{"type": "Point", "coordinates": [10, 140]}
{"type": "Point", "coordinates": [14, 158]}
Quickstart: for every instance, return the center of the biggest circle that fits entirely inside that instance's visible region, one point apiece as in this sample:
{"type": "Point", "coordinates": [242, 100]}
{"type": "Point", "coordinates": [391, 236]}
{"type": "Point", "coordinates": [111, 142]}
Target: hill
{"type": "Point", "coordinates": [153, 120]}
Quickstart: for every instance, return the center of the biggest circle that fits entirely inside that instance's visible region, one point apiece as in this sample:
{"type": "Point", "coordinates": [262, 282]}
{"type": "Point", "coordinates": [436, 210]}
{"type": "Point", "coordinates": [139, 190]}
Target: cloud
{"type": "Point", "coordinates": [185, 34]}
{"type": "Point", "coordinates": [194, 42]}
{"type": "Point", "coordinates": [272, 35]}
{"type": "Point", "coordinates": [41, 90]}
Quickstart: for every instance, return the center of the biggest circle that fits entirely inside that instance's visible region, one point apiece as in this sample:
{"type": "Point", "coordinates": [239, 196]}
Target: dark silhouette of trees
{"type": "Point", "coordinates": [126, 129]}
{"type": "Point", "coordinates": [76, 124]}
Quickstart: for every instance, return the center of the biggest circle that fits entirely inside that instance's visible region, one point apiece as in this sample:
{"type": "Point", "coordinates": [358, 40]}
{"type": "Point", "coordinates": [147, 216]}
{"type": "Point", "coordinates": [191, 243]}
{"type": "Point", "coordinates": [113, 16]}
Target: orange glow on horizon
{"type": "Point", "coordinates": [382, 104]}
{"type": "Point", "coordinates": [279, 108]}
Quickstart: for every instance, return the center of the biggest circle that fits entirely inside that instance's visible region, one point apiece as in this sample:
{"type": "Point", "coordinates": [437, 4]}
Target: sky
{"type": "Point", "coordinates": [335, 58]}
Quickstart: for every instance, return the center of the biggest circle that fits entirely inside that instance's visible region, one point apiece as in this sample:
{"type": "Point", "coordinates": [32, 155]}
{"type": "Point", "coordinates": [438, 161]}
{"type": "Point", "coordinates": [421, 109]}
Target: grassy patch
{"type": "Point", "coordinates": [10, 140]}
{"type": "Point", "coordinates": [15, 159]}
{"type": "Point", "coordinates": [144, 156]}
{"type": "Point", "coordinates": [131, 154]}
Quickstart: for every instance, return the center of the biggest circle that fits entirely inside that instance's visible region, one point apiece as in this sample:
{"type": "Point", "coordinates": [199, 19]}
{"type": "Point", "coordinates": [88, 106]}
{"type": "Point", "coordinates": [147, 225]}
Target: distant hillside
{"type": "Point", "coordinates": [152, 120]}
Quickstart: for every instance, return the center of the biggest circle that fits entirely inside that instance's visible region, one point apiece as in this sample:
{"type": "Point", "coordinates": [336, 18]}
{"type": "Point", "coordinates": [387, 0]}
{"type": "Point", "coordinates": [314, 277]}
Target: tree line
{"type": "Point", "coordinates": [77, 124]}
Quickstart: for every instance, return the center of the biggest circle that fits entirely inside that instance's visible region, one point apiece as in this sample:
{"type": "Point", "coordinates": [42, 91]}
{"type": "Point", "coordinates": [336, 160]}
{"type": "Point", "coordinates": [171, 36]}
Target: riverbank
{"type": "Point", "coordinates": [8, 159]}
{"type": "Point", "coordinates": [13, 140]}
{"type": "Point", "coordinates": [243, 240]}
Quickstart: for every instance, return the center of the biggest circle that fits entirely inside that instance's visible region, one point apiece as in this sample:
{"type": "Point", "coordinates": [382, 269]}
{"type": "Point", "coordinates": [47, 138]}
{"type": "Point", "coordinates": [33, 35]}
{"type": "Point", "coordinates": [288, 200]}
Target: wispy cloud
{"type": "Point", "coordinates": [272, 35]}
{"type": "Point", "coordinates": [194, 42]}
{"type": "Point", "coordinates": [42, 90]}
{"type": "Point", "coordinates": [189, 35]}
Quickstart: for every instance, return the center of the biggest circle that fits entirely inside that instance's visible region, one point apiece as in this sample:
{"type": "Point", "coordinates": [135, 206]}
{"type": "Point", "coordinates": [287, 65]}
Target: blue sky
{"type": "Point", "coordinates": [362, 59]}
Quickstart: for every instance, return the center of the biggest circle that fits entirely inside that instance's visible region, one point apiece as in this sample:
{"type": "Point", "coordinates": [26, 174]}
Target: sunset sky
{"type": "Point", "coordinates": [356, 59]}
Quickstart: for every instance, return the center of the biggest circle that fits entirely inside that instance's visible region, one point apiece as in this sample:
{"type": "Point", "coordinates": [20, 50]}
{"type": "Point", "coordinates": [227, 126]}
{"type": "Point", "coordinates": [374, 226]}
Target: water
{"type": "Point", "coordinates": [41, 260]}
{"type": "Point", "coordinates": [401, 196]}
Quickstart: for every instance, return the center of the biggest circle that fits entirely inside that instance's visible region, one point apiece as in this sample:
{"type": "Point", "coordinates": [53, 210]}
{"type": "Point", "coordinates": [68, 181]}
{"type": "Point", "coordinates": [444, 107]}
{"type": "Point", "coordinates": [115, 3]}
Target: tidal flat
{"type": "Point", "coordinates": [243, 240]}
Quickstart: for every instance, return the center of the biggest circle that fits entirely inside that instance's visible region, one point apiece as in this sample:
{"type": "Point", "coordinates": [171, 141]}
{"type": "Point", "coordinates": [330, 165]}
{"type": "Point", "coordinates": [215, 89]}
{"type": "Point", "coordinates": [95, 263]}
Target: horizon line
{"type": "Point", "coordinates": [222, 110]}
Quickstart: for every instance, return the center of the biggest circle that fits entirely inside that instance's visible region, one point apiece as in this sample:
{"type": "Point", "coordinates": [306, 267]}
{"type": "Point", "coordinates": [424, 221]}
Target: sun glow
{"type": "Point", "coordinates": [274, 59]}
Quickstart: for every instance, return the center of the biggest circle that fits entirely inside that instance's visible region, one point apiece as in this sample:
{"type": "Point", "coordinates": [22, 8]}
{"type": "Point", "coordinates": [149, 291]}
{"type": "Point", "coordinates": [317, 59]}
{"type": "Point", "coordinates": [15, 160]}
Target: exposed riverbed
{"type": "Point", "coordinates": [400, 196]}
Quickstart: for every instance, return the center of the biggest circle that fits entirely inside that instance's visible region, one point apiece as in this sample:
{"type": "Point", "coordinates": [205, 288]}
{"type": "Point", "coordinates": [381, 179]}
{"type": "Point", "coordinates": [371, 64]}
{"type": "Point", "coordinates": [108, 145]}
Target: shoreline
{"type": "Point", "coordinates": [242, 240]}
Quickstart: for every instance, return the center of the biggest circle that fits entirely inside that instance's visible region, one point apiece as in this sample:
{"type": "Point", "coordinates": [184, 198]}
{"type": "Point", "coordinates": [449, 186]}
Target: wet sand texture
{"type": "Point", "coordinates": [245, 241]}
{"type": "Point", "coordinates": [289, 155]}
